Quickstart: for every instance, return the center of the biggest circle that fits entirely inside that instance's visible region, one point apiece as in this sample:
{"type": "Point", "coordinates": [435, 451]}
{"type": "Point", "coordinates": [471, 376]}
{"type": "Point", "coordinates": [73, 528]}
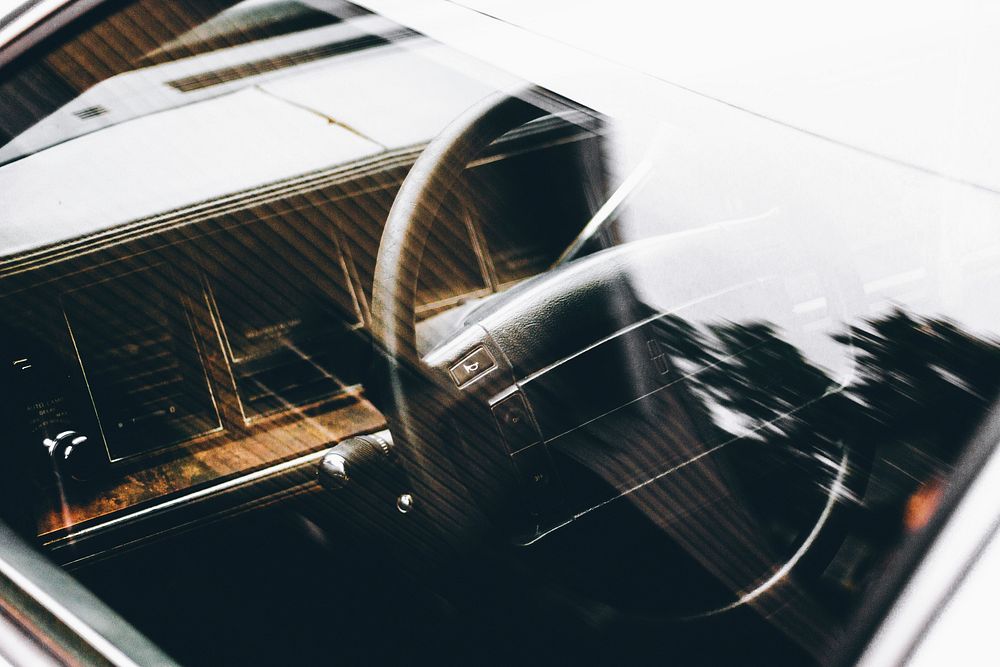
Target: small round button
{"type": "Point", "coordinates": [404, 503]}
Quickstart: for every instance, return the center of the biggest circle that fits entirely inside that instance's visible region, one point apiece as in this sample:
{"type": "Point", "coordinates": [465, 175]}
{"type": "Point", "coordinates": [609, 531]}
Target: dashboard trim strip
{"type": "Point", "coordinates": [200, 494]}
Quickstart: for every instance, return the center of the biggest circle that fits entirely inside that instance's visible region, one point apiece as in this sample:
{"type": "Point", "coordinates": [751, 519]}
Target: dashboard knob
{"type": "Point", "coordinates": [74, 456]}
{"type": "Point", "coordinates": [363, 459]}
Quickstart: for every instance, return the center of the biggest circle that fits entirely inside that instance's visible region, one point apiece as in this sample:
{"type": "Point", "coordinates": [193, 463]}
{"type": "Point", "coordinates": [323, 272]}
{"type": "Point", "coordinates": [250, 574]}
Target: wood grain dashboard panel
{"type": "Point", "coordinates": [202, 463]}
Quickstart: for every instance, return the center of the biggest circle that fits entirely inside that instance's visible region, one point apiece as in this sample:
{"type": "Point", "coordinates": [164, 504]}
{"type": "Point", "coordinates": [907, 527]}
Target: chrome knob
{"type": "Point", "coordinates": [74, 455]}
{"type": "Point", "coordinates": [360, 459]}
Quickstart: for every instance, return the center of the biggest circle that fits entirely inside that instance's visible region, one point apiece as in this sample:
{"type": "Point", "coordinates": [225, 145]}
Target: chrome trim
{"type": "Point", "coordinates": [384, 440]}
{"type": "Point", "coordinates": [193, 496]}
{"type": "Point", "coordinates": [65, 616]}
{"type": "Point", "coordinates": [404, 503]}
{"type": "Point", "coordinates": [31, 23]}
{"type": "Point", "coordinates": [335, 467]}
{"type": "Point", "coordinates": [22, 647]}
{"type": "Point", "coordinates": [66, 613]}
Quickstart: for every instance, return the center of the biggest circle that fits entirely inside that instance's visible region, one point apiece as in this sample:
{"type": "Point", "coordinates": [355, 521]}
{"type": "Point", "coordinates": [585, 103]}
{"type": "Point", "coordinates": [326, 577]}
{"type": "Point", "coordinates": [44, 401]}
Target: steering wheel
{"type": "Point", "coordinates": [557, 395]}
{"type": "Point", "coordinates": [415, 391]}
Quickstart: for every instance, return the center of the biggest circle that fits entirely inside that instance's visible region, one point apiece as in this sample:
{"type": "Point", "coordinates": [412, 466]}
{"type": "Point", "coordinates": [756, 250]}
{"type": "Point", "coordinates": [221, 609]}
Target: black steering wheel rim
{"type": "Point", "coordinates": [418, 203]}
{"type": "Point", "coordinates": [415, 408]}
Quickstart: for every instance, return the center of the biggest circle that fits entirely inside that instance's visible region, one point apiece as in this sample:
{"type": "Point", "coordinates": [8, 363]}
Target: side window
{"type": "Point", "coordinates": [687, 366]}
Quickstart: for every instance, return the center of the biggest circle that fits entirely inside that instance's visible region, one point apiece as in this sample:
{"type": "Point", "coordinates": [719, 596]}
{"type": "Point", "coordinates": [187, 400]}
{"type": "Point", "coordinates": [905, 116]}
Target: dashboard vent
{"type": "Point", "coordinates": [244, 23]}
{"type": "Point", "coordinates": [90, 112]}
{"type": "Point", "coordinates": [265, 65]}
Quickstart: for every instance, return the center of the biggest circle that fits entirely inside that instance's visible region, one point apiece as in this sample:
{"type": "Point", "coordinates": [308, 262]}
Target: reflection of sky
{"type": "Point", "coordinates": [199, 150]}
{"type": "Point", "coordinates": [848, 236]}
{"type": "Point", "coordinates": [913, 80]}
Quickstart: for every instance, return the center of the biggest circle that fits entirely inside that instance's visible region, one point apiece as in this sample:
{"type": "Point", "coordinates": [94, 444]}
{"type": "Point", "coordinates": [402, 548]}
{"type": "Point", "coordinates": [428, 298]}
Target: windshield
{"type": "Point", "coordinates": [316, 313]}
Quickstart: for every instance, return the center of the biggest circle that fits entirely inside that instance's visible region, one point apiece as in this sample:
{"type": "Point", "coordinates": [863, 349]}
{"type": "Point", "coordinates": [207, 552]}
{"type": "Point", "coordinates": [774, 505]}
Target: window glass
{"type": "Point", "coordinates": [728, 365]}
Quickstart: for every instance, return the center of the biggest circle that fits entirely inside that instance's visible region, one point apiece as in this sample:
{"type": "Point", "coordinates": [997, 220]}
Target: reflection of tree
{"type": "Point", "coordinates": [922, 385]}
{"type": "Point", "coordinates": [759, 375]}
{"type": "Point", "coordinates": [750, 380]}
{"type": "Point", "coordinates": [923, 382]}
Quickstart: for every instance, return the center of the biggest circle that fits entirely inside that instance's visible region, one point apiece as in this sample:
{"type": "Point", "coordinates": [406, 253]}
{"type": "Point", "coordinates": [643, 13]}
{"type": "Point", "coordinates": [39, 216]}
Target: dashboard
{"type": "Point", "coordinates": [209, 356]}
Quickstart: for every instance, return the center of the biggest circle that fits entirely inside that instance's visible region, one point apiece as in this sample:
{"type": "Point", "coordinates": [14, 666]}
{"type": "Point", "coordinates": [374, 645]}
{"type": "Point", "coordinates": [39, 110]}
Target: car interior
{"type": "Point", "coordinates": [326, 342]}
